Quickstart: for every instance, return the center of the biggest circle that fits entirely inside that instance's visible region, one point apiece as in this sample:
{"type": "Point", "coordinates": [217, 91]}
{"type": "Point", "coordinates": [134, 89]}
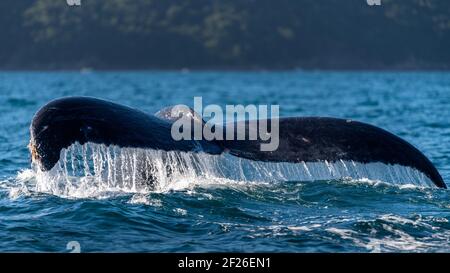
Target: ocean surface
{"type": "Point", "coordinates": [199, 211]}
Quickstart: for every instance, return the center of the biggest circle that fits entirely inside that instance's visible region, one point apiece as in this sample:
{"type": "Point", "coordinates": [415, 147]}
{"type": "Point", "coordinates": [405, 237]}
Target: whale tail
{"type": "Point", "coordinates": [66, 121]}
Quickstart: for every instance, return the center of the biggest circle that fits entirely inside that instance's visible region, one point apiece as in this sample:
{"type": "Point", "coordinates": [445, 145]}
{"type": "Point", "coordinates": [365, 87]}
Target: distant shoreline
{"type": "Point", "coordinates": [225, 70]}
{"type": "Point", "coordinates": [230, 68]}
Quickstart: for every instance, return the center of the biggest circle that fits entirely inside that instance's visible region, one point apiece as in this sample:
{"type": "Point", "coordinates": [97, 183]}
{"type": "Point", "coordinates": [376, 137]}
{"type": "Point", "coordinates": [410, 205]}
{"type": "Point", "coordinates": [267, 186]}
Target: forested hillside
{"type": "Point", "coordinates": [228, 34]}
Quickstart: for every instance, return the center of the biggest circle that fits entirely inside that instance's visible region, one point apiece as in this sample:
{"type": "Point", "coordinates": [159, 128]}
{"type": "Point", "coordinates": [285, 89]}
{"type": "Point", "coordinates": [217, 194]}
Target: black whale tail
{"type": "Point", "coordinates": [65, 121]}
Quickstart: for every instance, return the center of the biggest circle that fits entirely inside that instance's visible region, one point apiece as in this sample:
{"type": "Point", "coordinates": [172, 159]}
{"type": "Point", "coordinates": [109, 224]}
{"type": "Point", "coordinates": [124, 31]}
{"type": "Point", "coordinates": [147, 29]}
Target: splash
{"type": "Point", "coordinates": [89, 169]}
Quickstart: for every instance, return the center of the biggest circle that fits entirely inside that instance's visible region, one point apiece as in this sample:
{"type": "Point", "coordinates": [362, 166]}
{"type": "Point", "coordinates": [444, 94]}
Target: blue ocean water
{"type": "Point", "coordinates": [216, 215]}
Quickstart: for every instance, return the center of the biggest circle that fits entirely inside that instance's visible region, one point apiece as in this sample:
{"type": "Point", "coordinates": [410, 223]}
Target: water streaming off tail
{"type": "Point", "coordinates": [87, 169]}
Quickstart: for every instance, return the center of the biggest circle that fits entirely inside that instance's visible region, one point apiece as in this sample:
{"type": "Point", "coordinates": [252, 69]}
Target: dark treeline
{"type": "Point", "coordinates": [253, 34]}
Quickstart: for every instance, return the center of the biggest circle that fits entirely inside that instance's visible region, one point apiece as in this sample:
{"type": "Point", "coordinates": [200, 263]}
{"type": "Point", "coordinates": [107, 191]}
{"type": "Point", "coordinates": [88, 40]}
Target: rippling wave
{"type": "Point", "coordinates": [208, 215]}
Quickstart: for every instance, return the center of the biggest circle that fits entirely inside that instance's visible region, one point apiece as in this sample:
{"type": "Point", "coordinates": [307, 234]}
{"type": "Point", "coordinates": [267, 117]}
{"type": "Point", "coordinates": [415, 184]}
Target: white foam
{"type": "Point", "coordinates": [139, 198]}
{"type": "Point", "coordinates": [85, 170]}
{"type": "Point", "coordinates": [401, 241]}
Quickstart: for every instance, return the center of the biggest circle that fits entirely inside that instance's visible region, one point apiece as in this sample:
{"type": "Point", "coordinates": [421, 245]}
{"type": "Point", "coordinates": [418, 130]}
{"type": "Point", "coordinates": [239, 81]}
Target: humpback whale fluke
{"type": "Point", "coordinates": [65, 121]}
